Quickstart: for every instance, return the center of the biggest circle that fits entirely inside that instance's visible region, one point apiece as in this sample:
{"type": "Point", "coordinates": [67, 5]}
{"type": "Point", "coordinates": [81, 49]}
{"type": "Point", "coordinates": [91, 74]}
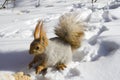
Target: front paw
{"type": "Point", "coordinates": [39, 69]}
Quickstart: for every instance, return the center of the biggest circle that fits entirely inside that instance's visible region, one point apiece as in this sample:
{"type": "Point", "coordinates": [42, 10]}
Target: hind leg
{"type": "Point", "coordinates": [61, 66]}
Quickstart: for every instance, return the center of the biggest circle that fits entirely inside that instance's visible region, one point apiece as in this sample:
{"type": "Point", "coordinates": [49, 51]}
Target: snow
{"type": "Point", "coordinates": [97, 58]}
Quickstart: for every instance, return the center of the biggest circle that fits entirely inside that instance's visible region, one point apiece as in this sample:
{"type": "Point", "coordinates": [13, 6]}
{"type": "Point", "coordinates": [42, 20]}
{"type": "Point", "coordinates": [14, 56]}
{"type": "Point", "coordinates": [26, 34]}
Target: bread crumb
{"type": "Point", "coordinates": [21, 76]}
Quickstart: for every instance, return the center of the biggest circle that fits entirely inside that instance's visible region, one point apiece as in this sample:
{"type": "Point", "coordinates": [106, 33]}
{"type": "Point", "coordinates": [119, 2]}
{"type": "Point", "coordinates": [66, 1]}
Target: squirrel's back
{"type": "Point", "coordinates": [70, 30]}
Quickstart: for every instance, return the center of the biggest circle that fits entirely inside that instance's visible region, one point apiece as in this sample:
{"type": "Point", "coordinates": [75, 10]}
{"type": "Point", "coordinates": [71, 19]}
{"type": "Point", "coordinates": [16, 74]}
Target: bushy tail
{"type": "Point", "coordinates": [70, 30]}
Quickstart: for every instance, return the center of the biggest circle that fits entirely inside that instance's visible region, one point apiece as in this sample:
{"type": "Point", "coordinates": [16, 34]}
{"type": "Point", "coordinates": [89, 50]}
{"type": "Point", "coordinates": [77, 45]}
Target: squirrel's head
{"type": "Point", "coordinates": [40, 41]}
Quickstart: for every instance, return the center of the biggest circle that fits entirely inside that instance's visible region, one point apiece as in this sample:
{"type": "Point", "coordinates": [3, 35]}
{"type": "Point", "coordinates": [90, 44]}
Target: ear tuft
{"type": "Point", "coordinates": [43, 37]}
{"type": "Point", "coordinates": [37, 29]}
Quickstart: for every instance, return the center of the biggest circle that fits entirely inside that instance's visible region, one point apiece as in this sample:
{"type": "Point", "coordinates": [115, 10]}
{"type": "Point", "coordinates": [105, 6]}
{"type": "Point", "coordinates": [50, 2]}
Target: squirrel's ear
{"type": "Point", "coordinates": [43, 36]}
{"type": "Point", "coordinates": [37, 30]}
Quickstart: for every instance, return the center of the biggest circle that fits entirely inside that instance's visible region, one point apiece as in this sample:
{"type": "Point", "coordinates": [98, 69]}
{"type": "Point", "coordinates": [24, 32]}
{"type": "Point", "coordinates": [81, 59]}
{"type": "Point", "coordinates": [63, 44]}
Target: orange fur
{"type": "Point", "coordinates": [40, 40]}
{"type": "Point", "coordinates": [60, 66]}
{"type": "Point", "coordinates": [41, 67]}
{"type": "Point", "coordinates": [40, 33]}
{"type": "Point", "coordinates": [43, 37]}
{"type": "Point", "coordinates": [37, 30]}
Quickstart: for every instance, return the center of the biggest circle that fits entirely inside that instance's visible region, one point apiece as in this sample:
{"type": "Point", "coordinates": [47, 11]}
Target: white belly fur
{"type": "Point", "coordinates": [58, 52]}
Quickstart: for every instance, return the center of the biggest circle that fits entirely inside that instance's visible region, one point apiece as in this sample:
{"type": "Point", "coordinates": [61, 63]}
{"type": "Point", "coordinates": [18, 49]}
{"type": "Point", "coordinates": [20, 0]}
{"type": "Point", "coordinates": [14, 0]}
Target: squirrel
{"type": "Point", "coordinates": [56, 52]}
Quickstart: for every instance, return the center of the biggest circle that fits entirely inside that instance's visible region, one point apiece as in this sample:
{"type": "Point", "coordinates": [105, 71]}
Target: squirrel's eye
{"type": "Point", "coordinates": [37, 48]}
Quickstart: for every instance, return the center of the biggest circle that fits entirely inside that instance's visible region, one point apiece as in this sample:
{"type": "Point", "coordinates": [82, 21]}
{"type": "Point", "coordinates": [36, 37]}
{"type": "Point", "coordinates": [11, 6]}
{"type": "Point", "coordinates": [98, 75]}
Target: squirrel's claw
{"type": "Point", "coordinates": [39, 69]}
{"type": "Point", "coordinates": [61, 66]}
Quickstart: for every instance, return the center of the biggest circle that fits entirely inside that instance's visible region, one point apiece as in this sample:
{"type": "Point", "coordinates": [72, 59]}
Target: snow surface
{"type": "Point", "coordinates": [98, 57]}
